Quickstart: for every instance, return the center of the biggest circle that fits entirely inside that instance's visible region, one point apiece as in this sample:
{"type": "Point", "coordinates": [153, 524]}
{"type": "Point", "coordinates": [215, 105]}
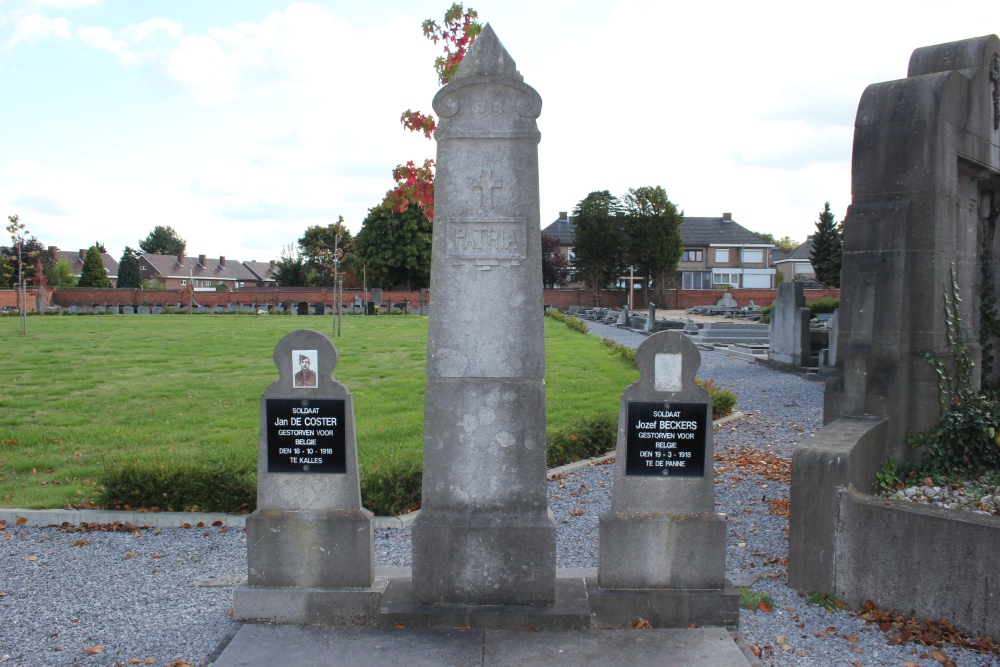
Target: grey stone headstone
{"type": "Point", "coordinates": [143, 310]}
{"type": "Point", "coordinates": [623, 317]}
{"type": "Point", "coordinates": [662, 531]}
{"type": "Point", "coordinates": [128, 310]}
{"type": "Point", "coordinates": [484, 535]}
{"type": "Point", "coordinates": [651, 318]}
{"type": "Point", "coordinates": [377, 296]}
{"type": "Point", "coordinates": [834, 326]}
{"type": "Point", "coordinates": [727, 300]}
{"type": "Point", "coordinates": [309, 529]}
{"type": "Point", "coordinates": [789, 342]}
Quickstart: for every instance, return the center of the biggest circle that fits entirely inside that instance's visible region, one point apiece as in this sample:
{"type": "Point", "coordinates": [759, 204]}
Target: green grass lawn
{"type": "Point", "coordinates": [80, 392]}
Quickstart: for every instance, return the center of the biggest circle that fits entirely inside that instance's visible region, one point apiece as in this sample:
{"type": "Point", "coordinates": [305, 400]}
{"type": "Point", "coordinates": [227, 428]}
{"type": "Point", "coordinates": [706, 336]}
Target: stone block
{"type": "Point", "coordinates": [664, 607]}
{"type": "Point", "coordinates": [308, 606]}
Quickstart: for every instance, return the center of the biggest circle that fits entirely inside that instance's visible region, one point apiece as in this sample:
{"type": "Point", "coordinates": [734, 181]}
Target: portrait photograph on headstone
{"type": "Point", "coordinates": [305, 361]}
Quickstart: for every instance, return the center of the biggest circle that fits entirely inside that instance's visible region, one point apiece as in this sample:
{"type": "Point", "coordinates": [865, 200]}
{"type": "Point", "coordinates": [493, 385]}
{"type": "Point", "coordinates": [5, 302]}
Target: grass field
{"type": "Point", "coordinates": [81, 392]}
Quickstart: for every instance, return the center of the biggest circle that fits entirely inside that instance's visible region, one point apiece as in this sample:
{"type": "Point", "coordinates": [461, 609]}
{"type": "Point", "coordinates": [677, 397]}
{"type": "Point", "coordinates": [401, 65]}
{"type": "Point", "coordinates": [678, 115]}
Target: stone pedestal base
{"type": "Point", "coordinates": [326, 549]}
{"type": "Point", "coordinates": [664, 607]}
{"type": "Point", "coordinates": [476, 560]}
{"type": "Point", "coordinates": [668, 551]}
{"type": "Point", "coordinates": [309, 606]}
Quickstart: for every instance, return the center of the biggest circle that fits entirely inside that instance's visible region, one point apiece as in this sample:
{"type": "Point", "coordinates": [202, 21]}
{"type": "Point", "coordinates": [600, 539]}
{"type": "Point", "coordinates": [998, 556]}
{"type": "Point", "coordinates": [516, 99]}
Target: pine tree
{"type": "Point", "coordinates": [128, 269]}
{"type": "Point", "coordinates": [827, 249]}
{"type": "Point", "coordinates": [93, 273]}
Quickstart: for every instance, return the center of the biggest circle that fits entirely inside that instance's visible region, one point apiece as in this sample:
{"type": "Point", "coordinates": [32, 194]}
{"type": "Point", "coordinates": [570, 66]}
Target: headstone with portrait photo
{"type": "Point", "coordinates": [310, 545]}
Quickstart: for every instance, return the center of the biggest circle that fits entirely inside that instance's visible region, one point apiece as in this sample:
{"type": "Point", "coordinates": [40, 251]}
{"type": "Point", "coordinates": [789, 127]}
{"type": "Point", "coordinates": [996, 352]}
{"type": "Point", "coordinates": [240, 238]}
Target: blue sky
{"type": "Point", "coordinates": [242, 122]}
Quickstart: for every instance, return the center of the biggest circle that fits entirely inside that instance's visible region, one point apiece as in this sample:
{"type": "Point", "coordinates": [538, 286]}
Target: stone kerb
{"type": "Point", "coordinates": [662, 547]}
{"type": "Point", "coordinates": [309, 532]}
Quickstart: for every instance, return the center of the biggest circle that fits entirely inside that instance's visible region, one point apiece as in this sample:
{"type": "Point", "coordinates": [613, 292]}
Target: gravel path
{"type": "Point", "coordinates": [59, 599]}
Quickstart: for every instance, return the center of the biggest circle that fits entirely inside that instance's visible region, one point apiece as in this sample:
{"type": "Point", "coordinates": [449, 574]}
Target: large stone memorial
{"type": "Point", "coordinates": [662, 546]}
{"type": "Point", "coordinates": [310, 546]}
{"type": "Point", "coordinates": [484, 535]}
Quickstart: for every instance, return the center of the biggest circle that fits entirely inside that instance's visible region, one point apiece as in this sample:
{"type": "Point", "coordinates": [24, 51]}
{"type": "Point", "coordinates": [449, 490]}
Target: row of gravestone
{"type": "Point", "coordinates": [310, 542]}
{"type": "Point", "coordinates": [626, 319]}
{"type": "Point", "coordinates": [300, 308]}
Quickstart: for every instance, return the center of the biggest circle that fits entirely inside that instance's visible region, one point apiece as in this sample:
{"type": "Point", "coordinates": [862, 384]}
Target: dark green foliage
{"type": "Point", "coordinates": [827, 248]}
{"type": "Point", "coordinates": [723, 400]}
{"type": "Point", "coordinates": [590, 436]}
{"type": "Point", "coordinates": [291, 270]}
{"type": "Point", "coordinates": [129, 275]}
{"type": "Point", "coordinates": [989, 321]}
{"type": "Point", "coordinates": [966, 437]}
{"type": "Point", "coordinates": [750, 599]}
{"type": "Point", "coordinates": [624, 351]}
{"type": "Point", "coordinates": [570, 321]}
{"type": "Point", "coordinates": [555, 268]}
{"type": "Point", "coordinates": [320, 245]}
{"type": "Point", "coordinates": [394, 488]}
{"type": "Point", "coordinates": [652, 225]}
{"type": "Point", "coordinates": [599, 241]}
{"type": "Point", "coordinates": [826, 304]}
{"type": "Point", "coordinates": [182, 484]}
{"type": "Point", "coordinates": [60, 274]}
{"type": "Point", "coordinates": [93, 273]}
{"type": "Point", "coordinates": [395, 248]}
{"type": "Point", "coordinates": [164, 241]}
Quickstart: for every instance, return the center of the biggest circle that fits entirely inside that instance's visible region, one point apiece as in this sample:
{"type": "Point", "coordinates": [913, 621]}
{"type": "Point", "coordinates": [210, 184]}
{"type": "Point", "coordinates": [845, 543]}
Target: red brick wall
{"type": "Point", "coordinates": [564, 298]}
{"type": "Point", "coordinates": [690, 298]}
{"type": "Point", "coordinates": [249, 295]}
{"type": "Point", "coordinates": [9, 298]}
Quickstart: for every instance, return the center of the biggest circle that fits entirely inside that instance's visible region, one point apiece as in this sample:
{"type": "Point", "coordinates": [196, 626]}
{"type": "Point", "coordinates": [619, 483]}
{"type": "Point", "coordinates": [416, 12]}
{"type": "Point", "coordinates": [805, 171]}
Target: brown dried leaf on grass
{"type": "Point", "coordinates": [768, 465]}
{"type": "Point", "coordinates": [940, 633]}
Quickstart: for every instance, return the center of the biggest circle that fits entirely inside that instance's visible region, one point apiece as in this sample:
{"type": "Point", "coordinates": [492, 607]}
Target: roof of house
{"type": "Point", "coordinates": [75, 261]}
{"type": "Point", "coordinates": [694, 231]}
{"type": "Point", "coordinates": [717, 231]}
{"type": "Point", "coordinates": [561, 230]}
{"type": "Point", "coordinates": [802, 252]}
{"type": "Point", "coordinates": [263, 270]}
{"type": "Point", "coordinates": [201, 267]}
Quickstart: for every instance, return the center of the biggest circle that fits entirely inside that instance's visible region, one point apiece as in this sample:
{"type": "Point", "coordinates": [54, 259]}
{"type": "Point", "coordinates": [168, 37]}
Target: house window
{"type": "Point", "coordinates": [693, 256]}
{"type": "Point", "coordinates": [804, 268]}
{"type": "Point", "coordinates": [753, 256]}
{"type": "Point", "coordinates": [142, 268]}
{"type": "Point", "coordinates": [721, 255]}
{"type": "Point", "coordinates": [732, 279]}
{"type": "Point", "coordinates": [184, 282]}
{"type": "Point", "coordinates": [696, 280]}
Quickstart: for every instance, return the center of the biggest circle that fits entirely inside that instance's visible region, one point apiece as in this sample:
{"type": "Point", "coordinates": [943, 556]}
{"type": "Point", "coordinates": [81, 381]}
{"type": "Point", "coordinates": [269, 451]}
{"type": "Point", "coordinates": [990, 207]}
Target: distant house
{"type": "Point", "coordinates": [204, 273]}
{"type": "Point", "coordinates": [263, 271]}
{"type": "Point", "coordinates": [76, 260]}
{"type": "Point", "coordinates": [721, 253]}
{"type": "Point", "coordinates": [797, 264]}
{"type": "Point", "coordinates": [717, 253]}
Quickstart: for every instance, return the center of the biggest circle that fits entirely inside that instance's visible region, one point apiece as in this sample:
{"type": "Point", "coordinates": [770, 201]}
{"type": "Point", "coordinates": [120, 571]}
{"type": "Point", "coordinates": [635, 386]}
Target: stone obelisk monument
{"type": "Point", "coordinates": [484, 535]}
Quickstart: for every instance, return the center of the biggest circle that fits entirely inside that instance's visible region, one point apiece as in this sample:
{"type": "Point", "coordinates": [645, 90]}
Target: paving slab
{"type": "Point", "coordinates": [298, 646]}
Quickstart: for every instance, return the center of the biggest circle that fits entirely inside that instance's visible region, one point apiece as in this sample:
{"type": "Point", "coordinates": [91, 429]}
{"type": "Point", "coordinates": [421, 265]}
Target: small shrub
{"type": "Point", "coordinates": [826, 304]}
{"type": "Point", "coordinates": [723, 400]}
{"type": "Point", "coordinates": [205, 485]}
{"type": "Point", "coordinates": [570, 321]}
{"type": "Point", "coordinates": [626, 352]}
{"type": "Point", "coordinates": [590, 436]}
{"type": "Point", "coordinates": [765, 314]}
{"type": "Point", "coordinates": [392, 488]}
{"type": "Point", "coordinates": [752, 600]}
{"type": "Point", "coordinates": [825, 600]}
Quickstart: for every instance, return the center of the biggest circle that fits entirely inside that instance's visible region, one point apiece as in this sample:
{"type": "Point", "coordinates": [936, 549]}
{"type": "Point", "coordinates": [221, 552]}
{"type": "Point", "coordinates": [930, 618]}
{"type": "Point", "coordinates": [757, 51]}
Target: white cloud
{"type": "Point", "coordinates": [34, 27]}
{"type": "Point", "coordinates": [134, 44]}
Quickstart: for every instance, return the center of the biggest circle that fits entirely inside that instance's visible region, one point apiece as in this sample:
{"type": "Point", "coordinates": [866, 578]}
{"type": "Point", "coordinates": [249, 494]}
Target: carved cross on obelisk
{"type": "Point", "coordinates": [484, 184]}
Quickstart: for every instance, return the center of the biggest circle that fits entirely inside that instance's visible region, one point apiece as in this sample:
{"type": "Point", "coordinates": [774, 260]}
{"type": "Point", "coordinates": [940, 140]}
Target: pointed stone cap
{"type": "Point", "coordinates": [487, 57]}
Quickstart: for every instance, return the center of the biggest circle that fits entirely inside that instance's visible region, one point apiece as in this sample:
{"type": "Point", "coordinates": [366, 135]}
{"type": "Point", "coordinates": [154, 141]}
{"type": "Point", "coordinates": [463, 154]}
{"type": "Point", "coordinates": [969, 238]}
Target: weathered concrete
{"type": "Point", "coordinates": [790, 326]}
{"type": "Point", "coordinates": [292, 646]}
{"type": "Point", "coordinates": [662, 532]}
{"type": "Point", "coordinates": [484, 535]}
{"type": "Point", "coordinates": [924, 174]}
{"type": "Point", "coordinates": [309, 530]}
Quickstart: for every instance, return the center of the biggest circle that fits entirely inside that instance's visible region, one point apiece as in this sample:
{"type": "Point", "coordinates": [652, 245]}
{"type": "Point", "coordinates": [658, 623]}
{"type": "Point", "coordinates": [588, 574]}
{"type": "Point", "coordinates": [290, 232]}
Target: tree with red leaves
{"type": "Point", "coordinates": [415, 185]}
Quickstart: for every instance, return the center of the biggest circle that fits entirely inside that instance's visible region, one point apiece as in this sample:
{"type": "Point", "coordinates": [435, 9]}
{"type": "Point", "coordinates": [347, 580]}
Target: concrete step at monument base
{"type": "Point", "coordinates": [301, 646]}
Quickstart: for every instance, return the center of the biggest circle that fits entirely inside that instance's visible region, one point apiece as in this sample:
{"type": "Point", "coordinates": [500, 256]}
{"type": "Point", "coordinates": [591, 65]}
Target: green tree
{"type": "Point", "coordinates": [164, 241]}
{"type": "Point", "coordinates": [129, 275]}
{"type": "Point", "coordinates": [787, 243]}
{"type": "Point", "coordinates": [395, 248]}
{"type": "Point", "coordinates": [555, 268]}
{"type": "Point", "coordinates": [653, 228]}
{"type": "Point", "coordinates": [60, 274]}
{"type": "Point", "coordinates": [599, 240]}
{"type": "Point", "coordinates": [320, 246]}
{"type": "Point", "coordinates": [23, 254]}
{"type": "Point", "coordinates": [93, 273]}
{"type": "Point", "coordinates": [291, 270]}
{"type": "Point", "coordinates": [827, 248]}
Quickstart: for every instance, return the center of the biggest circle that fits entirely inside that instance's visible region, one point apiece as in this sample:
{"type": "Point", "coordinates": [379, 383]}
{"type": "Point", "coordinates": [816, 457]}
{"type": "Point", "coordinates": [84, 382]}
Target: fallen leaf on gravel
{"type": "Point", "coordinates": [130, 554]}
{"type": "Point", "coordinates": [156, 556]}
{"type": "Point", "coordinates": [21, 521]}
{"type": "Point", "coordinates": [764, 607]}
{"type": "Point", "coordinates": [576, 512]}
{"type": "Point", "coordinates": [2, 594]}
{"type": "Point", "coordinates": [820, 633]}
{"type": "Point", "coordinates": [134, 661]}
{"type": "Point", "coordinates": [185, 525]}
{"type": "Point", "coordinates": [32, 558]}
{"type": "Point", "coordinates": [232, 612]}
{"type": "Point", "coordinates": [149, 661]}
{"type": "Point", "coordinates": [909, 664]}
{"type": "Point", "coordinates": [3, 525]}
{"type": "Point", "coordinates": [939, 656]}
{"type": "Point", "coordinates": [80, 542]}
{"type": "Point", "coordinates": [216, 523]}
{"type": "Point", "coordinates": [94, 650]}
{"type": "Point", "coordinates": [779, 507]}
{"type": "Point", "coordinates": [756, 651]}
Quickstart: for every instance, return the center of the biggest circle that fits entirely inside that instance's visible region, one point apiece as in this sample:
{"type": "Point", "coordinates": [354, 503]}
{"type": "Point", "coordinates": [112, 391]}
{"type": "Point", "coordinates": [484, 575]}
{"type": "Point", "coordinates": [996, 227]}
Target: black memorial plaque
{"type": "Point", "coordinates": [665, 439]}
{"type": "Point", "coordinates": [306, 435]}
